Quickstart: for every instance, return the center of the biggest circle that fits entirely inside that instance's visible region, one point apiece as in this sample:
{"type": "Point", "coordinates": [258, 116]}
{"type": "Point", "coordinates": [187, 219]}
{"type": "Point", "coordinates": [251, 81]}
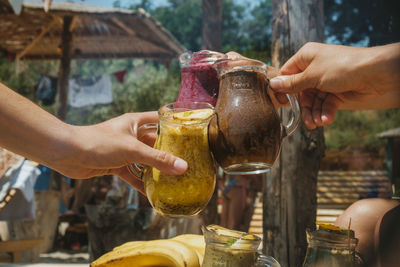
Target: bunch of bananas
{"type": "Point", "coordinates": [180, 251]}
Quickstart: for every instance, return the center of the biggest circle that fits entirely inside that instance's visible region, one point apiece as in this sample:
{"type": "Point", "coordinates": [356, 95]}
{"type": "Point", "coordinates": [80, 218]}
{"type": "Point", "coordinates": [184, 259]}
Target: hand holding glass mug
{"type": "Point", "coordinates": [183, 132]}
{"type": "Point", "coordinates": [245, 136]}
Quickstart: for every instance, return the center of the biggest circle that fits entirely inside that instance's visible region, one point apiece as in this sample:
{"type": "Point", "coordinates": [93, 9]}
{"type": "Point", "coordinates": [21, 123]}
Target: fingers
{"type": "Point", "coordinates": [161, 160]}
{"type": "Point", "coordinates": [290, 83]}
{"type": "Point", "coordinates": [233, 55]}
{"type": "Point", "coordinates": [319, 99]}
{"type": "Point", "coordinates": [318, 108]}
{"type": "Point", "coordinates": [306, 101]}
{"type": "Point", "coordinates": [329, 109]}
{"type": "Point", "coordinates": [125, 175]}
{"type": "Point", "coordinates": [147, 117]}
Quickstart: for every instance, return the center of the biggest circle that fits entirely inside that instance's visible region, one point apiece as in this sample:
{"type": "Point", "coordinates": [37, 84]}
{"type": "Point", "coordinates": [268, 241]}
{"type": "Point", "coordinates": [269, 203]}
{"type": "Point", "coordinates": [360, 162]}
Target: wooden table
{"type": "Point", "coordinates": [14, 247]}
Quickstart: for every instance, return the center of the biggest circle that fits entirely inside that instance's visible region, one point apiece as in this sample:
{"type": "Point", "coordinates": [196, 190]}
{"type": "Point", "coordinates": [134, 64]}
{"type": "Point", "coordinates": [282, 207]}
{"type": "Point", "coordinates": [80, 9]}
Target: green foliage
{"type": "Point", "coordinates": [22, 81]}
{"type": "Point", "coordinates": [359, 129]}
{"type": "Point", "coordinates": [247, 30]}
{"type": "Point", "coordinates": [147, 86]}
{"type": "Point", "coordinates": [243, 30]}
{"type": "Point", "coordinates": [182, 18]}
{"type": "Point", "coordinates": [367, 22]}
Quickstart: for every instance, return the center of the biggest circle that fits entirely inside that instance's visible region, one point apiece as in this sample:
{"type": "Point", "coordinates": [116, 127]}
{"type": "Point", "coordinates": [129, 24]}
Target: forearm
{"type": "Point", "coordinates": [389, 100]}
{"type": "Point", "coordinates": [379, 69]}
{"type": "Point", "coordinates": [30, 131]}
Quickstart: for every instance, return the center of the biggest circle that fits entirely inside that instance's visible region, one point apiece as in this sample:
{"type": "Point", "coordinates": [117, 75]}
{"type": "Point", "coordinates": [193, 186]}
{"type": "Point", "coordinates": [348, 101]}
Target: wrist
{"type": "Point", "coordinates": [65, 148]}
{"type": "Point", "coordinates": [384, 67]}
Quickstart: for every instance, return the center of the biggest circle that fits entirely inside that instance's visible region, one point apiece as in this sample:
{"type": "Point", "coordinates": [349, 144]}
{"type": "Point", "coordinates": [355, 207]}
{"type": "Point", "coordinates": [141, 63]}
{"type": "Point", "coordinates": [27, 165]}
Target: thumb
{"type": "Point", "coordinates": [163, 161]}
{"type": "Point", "coordinates": [290, 83]}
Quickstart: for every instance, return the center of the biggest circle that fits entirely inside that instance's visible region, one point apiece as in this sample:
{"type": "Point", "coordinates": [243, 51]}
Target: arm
{"type": "Point", "coordinates": [30, 131]}
{"type": "Point", "coordinates": [389, 100]}
{"type": "Point", "coordinates": [329, 77]}
{"type": "Point", "coordinates": [80, 151]}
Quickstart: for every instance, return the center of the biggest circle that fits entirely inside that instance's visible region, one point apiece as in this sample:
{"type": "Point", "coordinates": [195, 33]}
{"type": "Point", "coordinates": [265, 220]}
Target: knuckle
{"type": "Point", "coordinates": [164, 157]}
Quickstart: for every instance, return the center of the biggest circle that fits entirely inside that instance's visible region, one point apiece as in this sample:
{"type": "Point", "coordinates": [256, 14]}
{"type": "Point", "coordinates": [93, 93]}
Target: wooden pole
{"type": "Point", "coordinates": [64, 68]}
{"type": "Point", "coordinates": [62, 84]}
{"type": "Point", "coordinates": [211, 40]}
{"type": "Point", "coordinates": [212, 24]}
{"type": "Point", "coordinates": [290, 194]}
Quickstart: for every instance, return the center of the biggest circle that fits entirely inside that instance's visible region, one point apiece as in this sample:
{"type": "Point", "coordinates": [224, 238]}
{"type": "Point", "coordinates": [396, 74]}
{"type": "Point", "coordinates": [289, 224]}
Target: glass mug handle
{"type": "Point", "coordinates": [143, 132]}
{"type": "Point", "coordinates": [295, 118]}
{"type": "Point", "coordinates": [266, 261]}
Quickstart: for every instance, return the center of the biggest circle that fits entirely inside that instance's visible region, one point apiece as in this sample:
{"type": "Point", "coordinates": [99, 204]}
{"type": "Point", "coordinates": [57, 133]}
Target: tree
{"type": "Point", "coordinates": [368, 22]}
{"type": "Point", "coordinates": [212, 21]}
{"type": "Point", "coordinates": [290, 192]}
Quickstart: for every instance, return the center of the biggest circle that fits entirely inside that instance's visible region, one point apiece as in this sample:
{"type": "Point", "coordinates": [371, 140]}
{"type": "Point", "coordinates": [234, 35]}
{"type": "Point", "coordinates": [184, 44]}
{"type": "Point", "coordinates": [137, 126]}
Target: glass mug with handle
{"type": "Point", "coordinates": [231, 248]}
{"type": "Point", "coordinates": [246, 134]}
{"type": "Point", "coordinates": [183, 132]}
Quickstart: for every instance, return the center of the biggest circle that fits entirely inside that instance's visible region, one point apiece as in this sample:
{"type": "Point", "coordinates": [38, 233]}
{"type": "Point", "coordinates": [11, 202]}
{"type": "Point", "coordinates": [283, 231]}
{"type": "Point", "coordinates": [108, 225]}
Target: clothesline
{"type": "Point", "coordinates": [82, 91]}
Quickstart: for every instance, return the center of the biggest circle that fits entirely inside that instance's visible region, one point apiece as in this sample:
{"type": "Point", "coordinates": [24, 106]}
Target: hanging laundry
{"type": "Point", "coordinates": [46, 90]}
{"type": "Point", "coordinates": [90, 91]}
{"type": "Point", "coordinates": [17, 193]}
{"type": "Point", "coordinates": [120, 75]}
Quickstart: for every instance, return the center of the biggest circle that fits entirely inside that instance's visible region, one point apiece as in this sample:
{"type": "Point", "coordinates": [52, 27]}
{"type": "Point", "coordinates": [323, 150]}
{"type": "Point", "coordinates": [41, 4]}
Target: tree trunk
{"type": "Point", "coordinates": [290, 194]}
{"type": "Point", "coordinates": [211, 40]}
{"type": "Point", "coordinates": [212, 23]}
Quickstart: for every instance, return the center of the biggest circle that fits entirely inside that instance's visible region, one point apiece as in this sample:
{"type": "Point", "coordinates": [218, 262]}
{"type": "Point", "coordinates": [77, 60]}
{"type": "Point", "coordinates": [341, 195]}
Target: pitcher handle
{"type": "Point", "coordinates": [136, 169]}
{"type": "Point", "coordinates": [266, 261]}
{"type": "Point", "coordinates": [295, 118]}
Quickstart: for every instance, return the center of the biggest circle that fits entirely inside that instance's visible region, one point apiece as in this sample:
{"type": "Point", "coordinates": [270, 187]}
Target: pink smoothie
{"type": "Point", "coordinates": [199, 81]}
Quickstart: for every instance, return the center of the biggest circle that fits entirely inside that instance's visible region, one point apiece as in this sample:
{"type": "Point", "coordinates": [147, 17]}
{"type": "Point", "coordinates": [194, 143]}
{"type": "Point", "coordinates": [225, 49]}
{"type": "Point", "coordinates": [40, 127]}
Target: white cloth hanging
{"type": "Point", "coordinates": [22, 176]}
{"type": "Point", "coordinates": [90, 91]}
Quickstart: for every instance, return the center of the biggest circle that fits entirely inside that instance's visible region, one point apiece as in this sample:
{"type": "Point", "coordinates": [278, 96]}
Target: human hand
{"type": "Point", "coordinates": [109, 147]}
{"type": "Point", "coordinates": [327, 77]}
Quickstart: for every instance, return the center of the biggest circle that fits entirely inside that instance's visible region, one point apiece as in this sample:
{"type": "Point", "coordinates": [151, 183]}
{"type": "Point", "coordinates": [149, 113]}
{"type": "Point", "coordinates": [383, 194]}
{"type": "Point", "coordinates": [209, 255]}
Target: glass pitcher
{"type": "Point", "coordinates": [230, 248]}
{"type": "Point", "coordinates": [183, 132]}
{"type": "Point", "coordinates": [245, 136]}
{"type": "Point", "coordinates": [199, 82]}
{"type": "Point", "coordinates": [331, 248]}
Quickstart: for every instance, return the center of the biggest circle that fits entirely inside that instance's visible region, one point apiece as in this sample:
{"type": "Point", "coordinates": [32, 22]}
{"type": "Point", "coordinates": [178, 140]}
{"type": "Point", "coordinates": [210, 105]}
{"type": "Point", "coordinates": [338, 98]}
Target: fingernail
{"type": "Point", "coordinates": [180, 165]}
{"type": "Point", "coordinates": [276, 83]}
{"type": "Point", "coordinates": [324, 119]}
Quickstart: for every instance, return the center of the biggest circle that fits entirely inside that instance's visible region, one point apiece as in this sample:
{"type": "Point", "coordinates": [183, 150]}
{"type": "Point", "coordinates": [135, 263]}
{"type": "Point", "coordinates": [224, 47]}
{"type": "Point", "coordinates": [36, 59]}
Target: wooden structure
{"type": "Point", "coordinates": [96, 32]}
{"type": "Point", "coordinates": [77, 31]}
{"type": "Point", "coordinates": [337, 190]}
{"type": "Point", "coordinates": [290, 193]}
{"type": "Point", "coordinates": [15, 247]}
{"type": "Point", "coordinates": [393, 158]}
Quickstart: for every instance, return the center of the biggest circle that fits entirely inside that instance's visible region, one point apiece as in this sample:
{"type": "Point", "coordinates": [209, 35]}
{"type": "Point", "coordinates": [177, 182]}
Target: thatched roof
{"type": "Point", "coordinates": [390, 133]}
{"type": "Point", "coordinates": [97, 32]}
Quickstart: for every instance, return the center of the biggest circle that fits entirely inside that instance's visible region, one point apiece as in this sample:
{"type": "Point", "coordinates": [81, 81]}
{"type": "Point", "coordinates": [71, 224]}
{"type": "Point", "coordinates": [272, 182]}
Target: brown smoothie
{"type": "Point", "coordinates": [247, 127]}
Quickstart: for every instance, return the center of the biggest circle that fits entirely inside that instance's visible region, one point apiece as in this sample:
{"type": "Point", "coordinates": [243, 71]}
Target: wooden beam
{"type": "Point", "coordinates": [123, 26]}
{"type": "Point", "coordinates": [73, 24]}
{"type": "Point", "coordinates": [65, 68]}
{"type": "Point", "coordinates": [37, 39]}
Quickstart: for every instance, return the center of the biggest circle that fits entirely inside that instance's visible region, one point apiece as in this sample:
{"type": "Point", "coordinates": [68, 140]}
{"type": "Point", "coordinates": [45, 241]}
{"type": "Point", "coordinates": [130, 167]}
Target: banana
{"type": "Point", "coordinates": [166, 252]}
{"type": "Point", "coordinates": [196, 242]}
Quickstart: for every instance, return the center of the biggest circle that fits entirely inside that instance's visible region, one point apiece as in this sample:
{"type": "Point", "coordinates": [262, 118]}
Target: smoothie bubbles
{"type": "Point", "coordinates": [199, 79]}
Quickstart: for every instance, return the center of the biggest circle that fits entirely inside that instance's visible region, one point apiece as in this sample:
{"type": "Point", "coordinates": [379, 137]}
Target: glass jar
{"type": "Point", "coordinates": [230, 248]}
{"type": "Point", "coordinates": [333, 248]}
{"type": "Point", "coordinates": [199, 82]}
{"type": "Point", "coordinates": [183, 132]}
{"type": "Point", "coordinates": [246, 135]}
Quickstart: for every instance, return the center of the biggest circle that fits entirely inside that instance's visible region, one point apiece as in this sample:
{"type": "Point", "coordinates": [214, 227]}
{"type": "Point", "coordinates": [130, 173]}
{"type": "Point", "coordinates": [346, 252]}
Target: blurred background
{"type": "Point", "coordinates": [352, 141]}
